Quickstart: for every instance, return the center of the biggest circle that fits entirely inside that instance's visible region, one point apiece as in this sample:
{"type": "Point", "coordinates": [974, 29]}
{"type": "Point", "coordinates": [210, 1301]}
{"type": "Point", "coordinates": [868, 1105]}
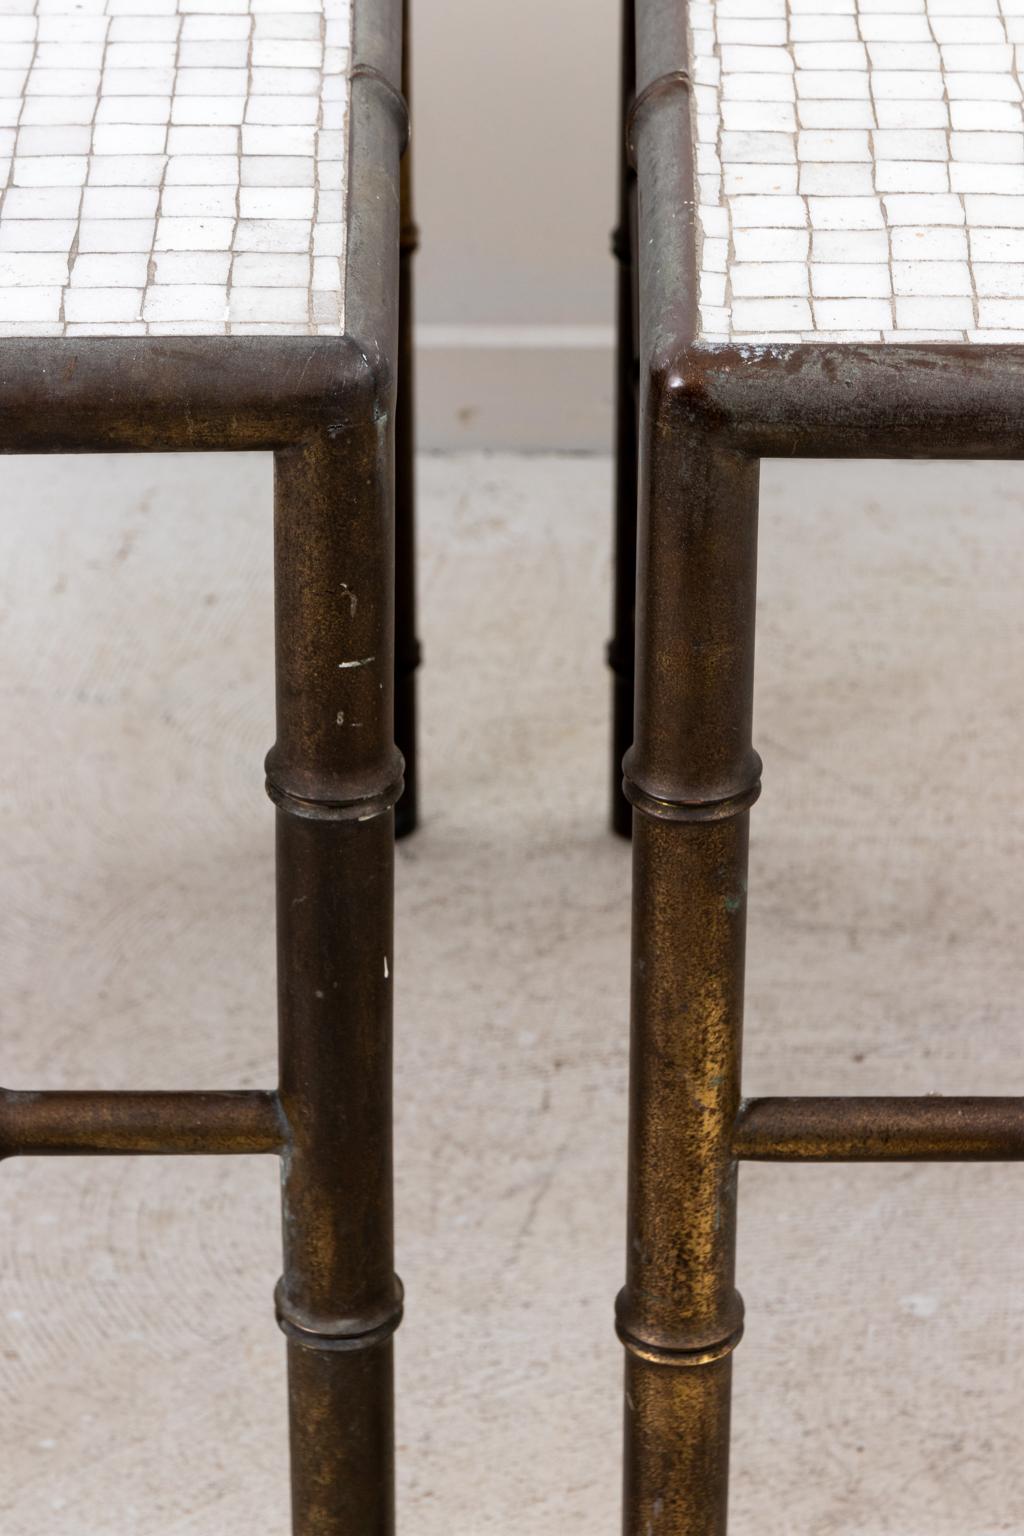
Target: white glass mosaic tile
{"type": "Point", "coordinates": [173, 167]}
{"type": "Point", "coordinates": [860, 169]}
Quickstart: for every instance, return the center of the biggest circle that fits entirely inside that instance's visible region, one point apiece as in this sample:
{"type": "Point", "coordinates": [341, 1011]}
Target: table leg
{"type": "Point", "coordinates": [691, 775]}
{"type": "Point", "coordinates": [407, 646]}
{"type": "Point", "coordinates": [620, 648]}
{"type": "Point", "coordinates": [335, 775]}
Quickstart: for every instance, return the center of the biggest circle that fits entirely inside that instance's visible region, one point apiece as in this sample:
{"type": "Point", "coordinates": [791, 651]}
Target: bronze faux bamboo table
{"type": "Point", "coordinates": [286, 170]}
{"type": "Point", "coordinates": [810, 240]}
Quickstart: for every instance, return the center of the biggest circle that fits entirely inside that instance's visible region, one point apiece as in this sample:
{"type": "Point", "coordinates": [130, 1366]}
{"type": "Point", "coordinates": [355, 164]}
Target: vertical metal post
{"type": "Point", "coordinates": [335, 775]}
{"type": "Point", "coordinates": [407, 646]}
{"type": "Point", "coordinates": [621, 648]}
{"type": "Point", "coordinates": [691, 775]}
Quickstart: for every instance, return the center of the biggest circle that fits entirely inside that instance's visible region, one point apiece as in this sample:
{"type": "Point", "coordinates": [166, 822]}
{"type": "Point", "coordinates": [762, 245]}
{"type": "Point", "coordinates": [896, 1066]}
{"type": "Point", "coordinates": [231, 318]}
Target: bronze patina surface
{"type": "Point", "coordinates": [407, 646]}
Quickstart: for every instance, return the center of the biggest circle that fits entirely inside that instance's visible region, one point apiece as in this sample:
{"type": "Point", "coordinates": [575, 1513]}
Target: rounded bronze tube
{"type": "Point", "coordinates": [691, 776]}
{"type": "Point", "coordinates": [953, 401]}
{"type": "Point", "coordinates": [621, 645]}
{"type": "Point", "coordinates": [677, 1447]}
{"type": "Point", "coordinates": [407, 647]}
{"type": "Point", "coordinates": [115, 1124]}
{"type": "Point", "coordinates": [335, 777]}
{"type": "Point", "coordinates": [680, 1315]}
{"type": "Point", "coordinates": [176, 394]}
{"type": "Point", "coordinates": [864, 1130]}
{"type": "Point", "coordinates": [344, 1428]}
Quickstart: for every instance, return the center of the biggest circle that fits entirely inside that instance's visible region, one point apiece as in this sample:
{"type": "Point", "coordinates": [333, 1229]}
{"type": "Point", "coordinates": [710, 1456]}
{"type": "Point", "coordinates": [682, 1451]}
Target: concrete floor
{"type": "Point", "coordinates": [879, 1388]}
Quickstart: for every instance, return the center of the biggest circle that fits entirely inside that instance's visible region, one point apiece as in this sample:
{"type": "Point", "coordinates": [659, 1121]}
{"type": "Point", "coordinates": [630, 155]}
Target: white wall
{"type": "Point", "coordinates": [515, 123]}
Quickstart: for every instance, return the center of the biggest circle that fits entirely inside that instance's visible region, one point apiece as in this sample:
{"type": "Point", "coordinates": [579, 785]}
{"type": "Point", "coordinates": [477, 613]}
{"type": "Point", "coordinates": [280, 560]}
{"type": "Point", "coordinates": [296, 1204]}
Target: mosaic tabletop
{"type": "Point", "coordinates": [172, 167]}
{"type": "Point", "coordinates": [860, 169]}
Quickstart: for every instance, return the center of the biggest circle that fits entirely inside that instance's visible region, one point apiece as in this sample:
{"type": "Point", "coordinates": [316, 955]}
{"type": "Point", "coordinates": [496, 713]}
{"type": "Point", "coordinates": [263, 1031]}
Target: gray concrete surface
{"type": "Point", "coordinates": [879, 1388]}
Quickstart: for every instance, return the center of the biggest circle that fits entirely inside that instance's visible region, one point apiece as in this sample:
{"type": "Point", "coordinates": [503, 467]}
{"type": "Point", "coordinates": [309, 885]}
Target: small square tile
{"type": "Point", "coordinates": [41, 203]}
{"type": "Point", "coordinates": [37, 234]}
{"type": "Point", "coordinates": [852, 314]}
{"type": "Point", "coordinates": [853, 280]}
{"type": "Point", "coordinates": [196, 268]}
{"type": "Point", "coordinates": [129, 139]}
{"type": "Point", "coordinates": [299, 27]}
{"type": "Point", "coordinates": [51, 140]}
{"type": "Point", "coordinates": [1001, 312]}
{"type": "Point", "coordinates": [284, 170]}
{"type": "Point", "coordinates": [770, 315]}
{"type": "Point", "coordinates": [205, 54]}
{"type": "Point", "coordinates": [126, 170]}
{"type": "Point", "coordinates": [143, 29]}
{"type": "Point", "coordinates": [931, 312]}
{"type": "Point", "coordinates": [755, 245]}
{"type": "Point", "coordinates": [120, 202]}
{"type": "Point", "coordinates": [56, 111]}
{"type": "Point", "coordinates": [208, 111]}
{"type": "Point", "coordinates": [259, 270]}
{"type": "Point", "coordinates": [28, 305]}
{"type": "Point", "coordinates": [203, 141]}
{"type": "Point", "coordinates": [264, 202]}
{"type": "Point", "coordinates": [99, 305]}
{"type": "Point", "coordinates": [999, 245]}
{"type": "Point", "coordinates": [921, 279]}
{"type": "Point", "coordinates": [116, 235]}
{"type": "Point", "coordinates": [924, 244]}
{"type": "Point", "coordinates": [186, 301]}
{"type": "Point", "coordinates": [211, 170]}
{"type": "Point", "coordinates": [274, 235]}
{"type": "Point", "coordinates": [111, 270]}
{"type": "Point", "coordinates": [49, 170]}
{"type": "Point", "coordinates": [141, 55]}
{"type": "Point", "coordinates": [258, 139]}
{"type": "Point", "coordinates": [198, 202]}
{"type": "Point", "coordinates": [284, 306]}
{"type": "Point", "coordinates": [769, 279]}
{"type": "Point", "coordinates": [194, 234]}
{"type": "Point", "coordinates": [34, 270]}
{"type": "Point", "coordinates": [846, 246]}
{"type": "Point", "coordinates": [214, 28]}
{"type": "Point", "coordinates": [999, 280]}
{"type": "Point", "coordinates": [845, 212]}
{"type": "Point", "coordinates": [133, 109]}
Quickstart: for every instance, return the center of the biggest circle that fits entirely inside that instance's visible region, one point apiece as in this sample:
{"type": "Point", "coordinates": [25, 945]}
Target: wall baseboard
{"type": "Point", "coordinates": [529, 387]}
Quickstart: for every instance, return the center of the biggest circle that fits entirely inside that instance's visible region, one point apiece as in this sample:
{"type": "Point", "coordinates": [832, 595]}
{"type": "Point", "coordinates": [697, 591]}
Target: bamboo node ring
{"type": "Point", "coordinates": [337, 1334]}
{"type": "Point", "coordinates": [676, 810]}
{"type": "Point", "coordinates": [362, 808]}
{"type": "Point", "coordinates": [656, 1354]}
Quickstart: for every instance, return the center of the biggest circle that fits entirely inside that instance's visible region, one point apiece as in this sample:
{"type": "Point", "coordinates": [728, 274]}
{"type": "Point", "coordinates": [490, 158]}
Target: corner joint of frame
{"type": "Point", "coordinates": [682, 390]}
{"type": "Point", "coordinates": [375, 383]}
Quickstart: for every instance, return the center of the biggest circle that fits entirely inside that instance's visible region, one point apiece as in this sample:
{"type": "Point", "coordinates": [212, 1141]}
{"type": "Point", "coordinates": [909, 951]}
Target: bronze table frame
{"type": "Point", "coordinates": [326, 408]}
{"type": "Point", "coordinates": [707, 415]}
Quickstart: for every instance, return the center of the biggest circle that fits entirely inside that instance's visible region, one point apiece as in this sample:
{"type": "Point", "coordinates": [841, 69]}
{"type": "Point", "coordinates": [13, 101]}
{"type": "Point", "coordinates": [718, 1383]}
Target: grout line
{"type": "Point", "coordinates": [229, 329]}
